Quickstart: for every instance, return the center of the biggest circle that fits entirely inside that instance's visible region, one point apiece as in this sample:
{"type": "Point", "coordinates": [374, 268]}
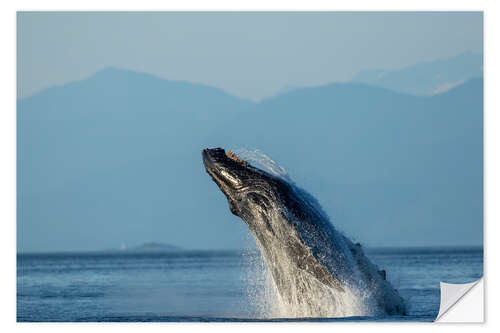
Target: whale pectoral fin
{"type": "Point", "coordinates": [325, 277]}
{"type": "Point", "coordinates": [309, 264]}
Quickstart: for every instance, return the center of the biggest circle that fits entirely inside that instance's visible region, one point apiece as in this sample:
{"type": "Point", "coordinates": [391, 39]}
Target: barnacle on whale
{"type": "Point", "coordinates": [234, 157]}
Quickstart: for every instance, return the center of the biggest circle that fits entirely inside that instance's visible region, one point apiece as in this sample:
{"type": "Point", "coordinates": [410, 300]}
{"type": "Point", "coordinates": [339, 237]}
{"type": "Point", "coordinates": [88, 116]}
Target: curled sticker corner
{"type": "Point", "coordinates": [453, 294]}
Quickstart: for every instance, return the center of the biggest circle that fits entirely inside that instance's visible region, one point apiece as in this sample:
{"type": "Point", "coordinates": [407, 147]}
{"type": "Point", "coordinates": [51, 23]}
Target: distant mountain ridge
{"type": "Point", "coordinates": [427, 78]}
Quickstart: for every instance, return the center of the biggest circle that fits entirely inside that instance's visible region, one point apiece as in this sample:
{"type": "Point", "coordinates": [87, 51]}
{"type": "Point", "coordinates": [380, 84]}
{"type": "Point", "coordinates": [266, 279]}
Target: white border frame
{"type": "Point", "coordinates": [8, 150]}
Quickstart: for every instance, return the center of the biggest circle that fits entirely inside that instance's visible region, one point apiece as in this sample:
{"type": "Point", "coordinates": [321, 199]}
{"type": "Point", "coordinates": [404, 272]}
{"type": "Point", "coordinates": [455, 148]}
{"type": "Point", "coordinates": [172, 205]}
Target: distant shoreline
{"type": "Point", "coordinates": [381, 249]}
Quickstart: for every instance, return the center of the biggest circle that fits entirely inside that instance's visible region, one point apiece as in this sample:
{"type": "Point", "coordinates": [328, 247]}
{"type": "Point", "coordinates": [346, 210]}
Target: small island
{"type": "Point", "coordinates": [147, 248]}
{"type": "Point", "coordinates": [154, 247]}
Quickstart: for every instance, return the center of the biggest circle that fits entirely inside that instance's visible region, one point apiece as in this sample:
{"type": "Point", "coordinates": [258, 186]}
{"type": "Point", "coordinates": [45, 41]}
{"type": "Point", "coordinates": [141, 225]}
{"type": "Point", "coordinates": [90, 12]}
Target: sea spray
{"type": "Point", "coordinates": [261, 291]}
{"type": "Point", "coordinates": [260, 159]}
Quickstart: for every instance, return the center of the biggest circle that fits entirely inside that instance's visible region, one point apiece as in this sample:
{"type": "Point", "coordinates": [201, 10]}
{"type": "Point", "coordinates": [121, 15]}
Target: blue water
{"type": "Point", "coordinates": [206, 285]}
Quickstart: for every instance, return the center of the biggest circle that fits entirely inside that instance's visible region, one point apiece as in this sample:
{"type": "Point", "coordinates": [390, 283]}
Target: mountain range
{"type": "Point", "coordinates": [118, 156]}
{"type": "Point", "coordinates": [427, 78]}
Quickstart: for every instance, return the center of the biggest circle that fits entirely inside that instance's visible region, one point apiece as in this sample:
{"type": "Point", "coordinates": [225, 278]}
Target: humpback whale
{"type": "Point", "coordinates": [317, 271]}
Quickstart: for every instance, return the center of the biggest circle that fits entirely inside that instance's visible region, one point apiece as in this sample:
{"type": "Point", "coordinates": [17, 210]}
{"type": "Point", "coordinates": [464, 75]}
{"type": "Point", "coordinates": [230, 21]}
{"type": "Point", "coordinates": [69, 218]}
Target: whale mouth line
{"type": "Point", "coordinates": [218, 177]}
{"type": "Point", "coordinates": [215, 161]}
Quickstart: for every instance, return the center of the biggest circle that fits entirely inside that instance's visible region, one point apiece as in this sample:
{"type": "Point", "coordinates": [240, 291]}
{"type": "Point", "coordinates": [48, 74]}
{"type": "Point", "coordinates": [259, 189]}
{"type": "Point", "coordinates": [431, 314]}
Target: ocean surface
{"type": "Point", "coordinates": [208, 285]}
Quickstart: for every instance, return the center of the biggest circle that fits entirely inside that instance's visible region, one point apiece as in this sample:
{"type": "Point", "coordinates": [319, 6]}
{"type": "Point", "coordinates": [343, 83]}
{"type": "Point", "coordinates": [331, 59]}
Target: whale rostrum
{"type": "Point", "coordinates": [317, 271]}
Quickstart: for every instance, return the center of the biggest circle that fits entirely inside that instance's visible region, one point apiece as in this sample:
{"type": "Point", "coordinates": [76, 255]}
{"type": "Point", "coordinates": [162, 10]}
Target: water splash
{"type": "Point", "coordinates": [261, 291]}
{"type": "Point", "coordinates": [261, 160]}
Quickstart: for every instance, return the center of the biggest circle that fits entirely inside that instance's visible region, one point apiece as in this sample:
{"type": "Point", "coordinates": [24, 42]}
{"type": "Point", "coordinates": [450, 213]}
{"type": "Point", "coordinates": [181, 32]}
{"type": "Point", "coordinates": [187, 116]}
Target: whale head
{"type": "Point", "coordinates": [250, 191]}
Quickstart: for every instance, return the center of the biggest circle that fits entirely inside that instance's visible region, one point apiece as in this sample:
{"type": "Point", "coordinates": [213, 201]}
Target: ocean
{"type": "Point", "coordinates": [209, 285]}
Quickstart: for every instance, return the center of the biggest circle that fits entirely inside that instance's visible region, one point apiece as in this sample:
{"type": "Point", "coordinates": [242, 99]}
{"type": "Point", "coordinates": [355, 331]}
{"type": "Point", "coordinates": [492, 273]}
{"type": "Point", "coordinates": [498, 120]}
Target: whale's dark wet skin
{"type": "Point", "coordinates": [317, 271]}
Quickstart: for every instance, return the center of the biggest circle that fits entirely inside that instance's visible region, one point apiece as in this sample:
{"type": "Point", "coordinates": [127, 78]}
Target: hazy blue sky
{"type": "Point", "coordinates": [251, 55]}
